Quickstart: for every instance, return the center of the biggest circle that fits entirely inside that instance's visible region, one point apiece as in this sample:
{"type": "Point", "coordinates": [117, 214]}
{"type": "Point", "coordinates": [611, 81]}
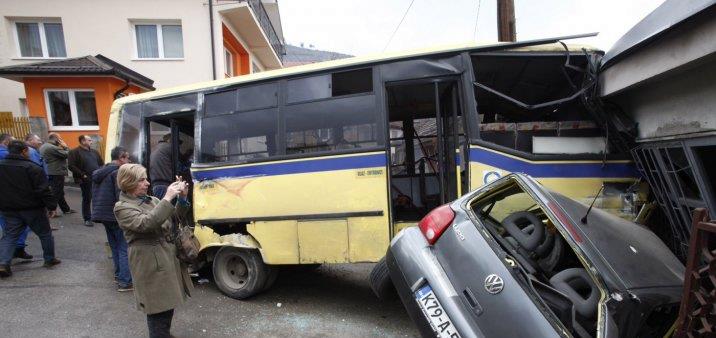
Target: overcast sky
{"type": "Point", "coordinates": [360, 27]}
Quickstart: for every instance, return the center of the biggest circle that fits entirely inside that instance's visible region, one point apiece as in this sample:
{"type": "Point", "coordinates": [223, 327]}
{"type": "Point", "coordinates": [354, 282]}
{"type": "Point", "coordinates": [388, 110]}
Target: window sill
{"type": "Point", "coordinates": [38, 58]}
{"type": "Point", "coordinates": [74, 128]}
{"type": "Point", "coordinates": [157, 59]}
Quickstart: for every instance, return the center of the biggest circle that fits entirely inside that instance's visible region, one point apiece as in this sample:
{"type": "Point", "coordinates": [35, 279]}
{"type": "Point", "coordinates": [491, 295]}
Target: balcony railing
{"type": "Point", "coordinates": [258, 8]}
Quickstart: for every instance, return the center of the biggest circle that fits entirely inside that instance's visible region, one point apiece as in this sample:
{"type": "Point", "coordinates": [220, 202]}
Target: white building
{"type": "Point", "coordinates": [173, 42]}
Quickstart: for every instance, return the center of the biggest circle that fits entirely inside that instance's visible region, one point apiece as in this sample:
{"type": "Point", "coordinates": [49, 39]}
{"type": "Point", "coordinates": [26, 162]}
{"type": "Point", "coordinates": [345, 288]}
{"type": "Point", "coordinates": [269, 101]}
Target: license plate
{"type": "Point", "coordinates": [434, 312]}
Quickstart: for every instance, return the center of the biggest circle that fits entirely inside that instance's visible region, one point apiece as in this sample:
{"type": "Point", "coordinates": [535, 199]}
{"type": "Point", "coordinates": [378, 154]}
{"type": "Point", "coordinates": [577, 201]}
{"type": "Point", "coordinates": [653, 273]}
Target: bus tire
{"type": "Point", "coordinates": [239, 273]}
{"type": "Point", "coordinates": [380, 282]}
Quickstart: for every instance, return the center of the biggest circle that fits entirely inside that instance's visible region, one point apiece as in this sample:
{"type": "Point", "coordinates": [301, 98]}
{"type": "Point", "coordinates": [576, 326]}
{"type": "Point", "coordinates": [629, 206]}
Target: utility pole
{"type": "Point", "coordinates": [506, 21]}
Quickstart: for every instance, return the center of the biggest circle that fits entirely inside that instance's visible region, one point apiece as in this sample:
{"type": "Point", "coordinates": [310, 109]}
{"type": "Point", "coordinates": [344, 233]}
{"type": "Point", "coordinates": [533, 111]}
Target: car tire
{"type": "Point", "coordinates": [380, 282]}
{"type": "Point", "coordinates": [239, 273]}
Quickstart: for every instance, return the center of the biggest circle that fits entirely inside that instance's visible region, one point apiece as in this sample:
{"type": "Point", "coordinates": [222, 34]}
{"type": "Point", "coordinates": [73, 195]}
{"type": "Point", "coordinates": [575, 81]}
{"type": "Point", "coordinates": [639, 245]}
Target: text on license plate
{"type": "Point", "coordinates": [434, 312]}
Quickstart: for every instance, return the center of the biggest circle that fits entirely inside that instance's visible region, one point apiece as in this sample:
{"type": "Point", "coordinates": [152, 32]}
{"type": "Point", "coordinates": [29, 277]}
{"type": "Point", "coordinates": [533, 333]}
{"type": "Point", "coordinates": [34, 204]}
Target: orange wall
{"type": "Point", "coordinates": [104, 89]}
{"type": "Point", "coordinates": [241, 56]}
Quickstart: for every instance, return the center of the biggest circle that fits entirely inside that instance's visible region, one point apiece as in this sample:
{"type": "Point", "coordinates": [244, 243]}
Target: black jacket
{"type": "Point", "coordinates": [76, 164]}
{"type": "Point", "coordinates": [23, 185]}
{"type": "Point", "coordinates": [105, 193]}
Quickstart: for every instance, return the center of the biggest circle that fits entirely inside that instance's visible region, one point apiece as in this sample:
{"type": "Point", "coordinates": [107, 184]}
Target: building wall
{"type": "Point", "coordinates": [104, 89]}
{"type": "Point", "coordinates": [104, 27]}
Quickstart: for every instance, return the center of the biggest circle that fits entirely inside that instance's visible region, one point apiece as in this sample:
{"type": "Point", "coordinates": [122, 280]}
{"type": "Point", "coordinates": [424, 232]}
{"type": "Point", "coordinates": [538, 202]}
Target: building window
{"type": "Point", "coordinates": [23, 107]}
{"type": "Point", "coordinates": [228, 63]}
{"type": "Point", "coordinates": [158, 41]}
{"type": "Point", "coordinates": [71, 109]}
{"type": "Point", "coordinates": [40, 39]}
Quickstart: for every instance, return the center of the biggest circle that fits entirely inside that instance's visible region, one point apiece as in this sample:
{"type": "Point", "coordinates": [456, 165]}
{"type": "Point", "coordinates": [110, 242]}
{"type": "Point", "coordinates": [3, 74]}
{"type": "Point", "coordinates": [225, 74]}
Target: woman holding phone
{"type": "Point", "coordinates": [161, 281]}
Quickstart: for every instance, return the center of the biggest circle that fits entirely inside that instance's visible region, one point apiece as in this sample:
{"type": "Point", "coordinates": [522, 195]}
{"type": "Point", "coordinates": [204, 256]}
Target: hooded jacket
{"type": "Point", "coordinates": [105, 193]}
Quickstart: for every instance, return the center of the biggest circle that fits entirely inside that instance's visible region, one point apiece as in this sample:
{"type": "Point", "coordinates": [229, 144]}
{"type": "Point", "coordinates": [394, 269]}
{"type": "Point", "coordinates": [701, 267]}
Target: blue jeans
{"type": "Point", "coordinates": [118, 244]}
{"type": "Point", "coordinates": [20, 244]}
{"type": "Point", "coordinates": [15, 224]}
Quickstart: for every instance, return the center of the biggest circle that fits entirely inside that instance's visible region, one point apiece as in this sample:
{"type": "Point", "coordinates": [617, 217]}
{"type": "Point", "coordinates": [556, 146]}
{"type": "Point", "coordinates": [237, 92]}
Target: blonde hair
{"type": "Point", "coordinates": [129, 175]}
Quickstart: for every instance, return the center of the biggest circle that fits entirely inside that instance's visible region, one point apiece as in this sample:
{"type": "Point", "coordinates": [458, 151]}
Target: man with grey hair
{"type": "Point", "coordinates": [54, 151]}
{"type": "Point", "coordinates": [34, 142]}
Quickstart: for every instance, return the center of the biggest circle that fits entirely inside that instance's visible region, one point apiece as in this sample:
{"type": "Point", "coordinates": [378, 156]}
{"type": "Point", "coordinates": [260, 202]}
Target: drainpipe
{"type": "Point", "coordinates": [211, 33]}
{"type": "Point", "coordinates": [119, 92]}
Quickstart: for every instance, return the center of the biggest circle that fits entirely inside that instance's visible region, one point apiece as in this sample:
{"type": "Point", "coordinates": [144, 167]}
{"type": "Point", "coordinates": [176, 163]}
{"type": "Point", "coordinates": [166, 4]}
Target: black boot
{"type": "Point", "coordinates": [20, 253]}
{"type": "Point", "coordinates": [5, 271]}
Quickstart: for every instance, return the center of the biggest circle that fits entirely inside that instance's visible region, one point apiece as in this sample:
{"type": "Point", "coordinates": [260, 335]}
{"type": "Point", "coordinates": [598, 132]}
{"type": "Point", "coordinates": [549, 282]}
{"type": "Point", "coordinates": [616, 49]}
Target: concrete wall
{"type": "Point", "coordinates": [677, 105]}
{"type": "Point", "coordinates": [104, 27]}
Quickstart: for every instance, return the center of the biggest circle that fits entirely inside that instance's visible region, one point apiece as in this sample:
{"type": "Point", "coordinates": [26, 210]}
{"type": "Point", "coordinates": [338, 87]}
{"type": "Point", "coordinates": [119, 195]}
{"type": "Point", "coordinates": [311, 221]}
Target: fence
{"type": "Point", "coordinates": [697, 316]}
{"type": "Point", "coordinates": [15, 126]}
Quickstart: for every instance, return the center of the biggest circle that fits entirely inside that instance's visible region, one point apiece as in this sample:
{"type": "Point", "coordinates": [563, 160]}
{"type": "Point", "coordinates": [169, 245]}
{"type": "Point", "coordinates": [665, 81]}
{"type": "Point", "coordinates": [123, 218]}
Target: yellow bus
{"type": "Point", "coordinates": [325, 163]}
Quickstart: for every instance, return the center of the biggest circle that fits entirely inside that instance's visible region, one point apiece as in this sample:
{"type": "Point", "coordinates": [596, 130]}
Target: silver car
{"type": "Point", "coordinates": [513, 259]}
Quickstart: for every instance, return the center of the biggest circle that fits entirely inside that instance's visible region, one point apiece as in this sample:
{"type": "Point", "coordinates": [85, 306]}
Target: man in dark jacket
{"type": "Point", "coordinates": [161, 173]}
{"type": "Point", "coordinates": [20, 252]}
{"type": "Point", "coordinates": [105, 194]}
{"type": "Point", "coordinates": [83, 161]}
{"type": "Point", "coordinates": [26, 201]}
{"type": "Point", "coordinates": [54, 151]}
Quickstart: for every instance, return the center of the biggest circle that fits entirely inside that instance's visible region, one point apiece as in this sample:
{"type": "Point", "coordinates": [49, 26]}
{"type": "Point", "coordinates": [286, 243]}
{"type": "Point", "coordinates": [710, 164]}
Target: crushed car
{"type": "Point", "coordinates": [514, 259]}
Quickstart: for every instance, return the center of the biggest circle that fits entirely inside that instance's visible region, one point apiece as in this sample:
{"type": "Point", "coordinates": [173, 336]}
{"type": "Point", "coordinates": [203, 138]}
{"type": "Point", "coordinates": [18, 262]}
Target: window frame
{"type": "Point", "coordinates": [229, 66]}
{"type": "Point", "coordinates": [73, 109]}
{"type": "Point", "coordinates": [160, 39]}
{"type": "Point", "coordinates": [43, 38]}
{"type": "Point", "coordinates": [330, 74]}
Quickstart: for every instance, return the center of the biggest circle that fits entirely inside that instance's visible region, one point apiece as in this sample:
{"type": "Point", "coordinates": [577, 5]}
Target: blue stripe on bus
{"type": "Point", "coordinates": [297, 167]}
{"type": "Point", "coordinates": [552, 169]}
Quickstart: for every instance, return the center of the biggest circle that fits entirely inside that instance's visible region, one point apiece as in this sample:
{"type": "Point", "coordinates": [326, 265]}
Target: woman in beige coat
{"type": "Point", "coordinates": [161, 282]}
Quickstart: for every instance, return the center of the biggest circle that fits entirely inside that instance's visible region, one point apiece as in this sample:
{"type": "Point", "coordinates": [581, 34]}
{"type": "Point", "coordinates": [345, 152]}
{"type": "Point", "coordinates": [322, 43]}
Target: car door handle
{"type": "Point", "coordinates": [472, 301]}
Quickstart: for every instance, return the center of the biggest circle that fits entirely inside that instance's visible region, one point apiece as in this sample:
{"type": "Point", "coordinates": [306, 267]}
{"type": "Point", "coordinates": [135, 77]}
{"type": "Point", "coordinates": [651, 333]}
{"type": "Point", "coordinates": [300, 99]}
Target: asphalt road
{"type": "Point", "coordinates": [78, 298]}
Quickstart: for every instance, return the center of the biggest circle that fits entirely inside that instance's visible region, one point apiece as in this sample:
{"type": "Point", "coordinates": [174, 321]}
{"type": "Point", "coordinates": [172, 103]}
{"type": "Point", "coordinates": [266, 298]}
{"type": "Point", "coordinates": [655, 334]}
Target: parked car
{"type": "Point", "coordinates": [513, 259]}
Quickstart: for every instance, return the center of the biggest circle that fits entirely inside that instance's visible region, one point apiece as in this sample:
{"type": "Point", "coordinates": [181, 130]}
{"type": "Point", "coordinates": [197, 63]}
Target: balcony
{"type": "Point", "coordinates": [250, 21]}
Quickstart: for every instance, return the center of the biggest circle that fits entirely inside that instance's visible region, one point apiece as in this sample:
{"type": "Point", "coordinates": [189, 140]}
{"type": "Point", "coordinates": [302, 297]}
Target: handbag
{"type": "Point", "coordinates": [186, 243]}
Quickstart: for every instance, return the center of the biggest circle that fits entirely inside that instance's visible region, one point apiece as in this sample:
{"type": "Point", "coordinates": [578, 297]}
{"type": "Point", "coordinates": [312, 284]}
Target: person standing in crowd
{"type": "Point", "coordinates": [20, 243]}
{"type": "Point", "coordinates": [55, 152]}
{"type": "Point", "coordinates": [160, 166]}
{"type": "Point", "coordinates": [26, 201]}
{"type": "Point", "coordinates": [146, 222]}
{"type": "Point", "coordinates": [105, 194]}
{"type": "Point", "coordinates": [83, 161]}
{"type": "Point", "coordinates": [34, 142]}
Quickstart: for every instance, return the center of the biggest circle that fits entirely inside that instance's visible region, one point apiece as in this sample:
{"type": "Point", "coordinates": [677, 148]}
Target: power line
{"type": "Point", "coordinates": [474, 34]}
{"type": "Point", "coordinates": [399, 23]}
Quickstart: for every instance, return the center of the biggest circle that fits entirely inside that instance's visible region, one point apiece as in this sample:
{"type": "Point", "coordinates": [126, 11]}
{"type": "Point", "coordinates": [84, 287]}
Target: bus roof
{"type": "Point", "coordinates": [549, 45]}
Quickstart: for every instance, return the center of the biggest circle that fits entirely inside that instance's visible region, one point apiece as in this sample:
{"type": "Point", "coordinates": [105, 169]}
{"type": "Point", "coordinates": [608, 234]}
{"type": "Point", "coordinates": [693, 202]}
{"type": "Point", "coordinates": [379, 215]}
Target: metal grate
{"type": "Point", "coordinates": [697, 315]}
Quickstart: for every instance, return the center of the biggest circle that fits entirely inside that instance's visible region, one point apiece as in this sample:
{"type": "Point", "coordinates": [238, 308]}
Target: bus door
{"type": "Point", "coordinates": [425, 131]}
{"type": "Point", "coordinates": [175, 131]}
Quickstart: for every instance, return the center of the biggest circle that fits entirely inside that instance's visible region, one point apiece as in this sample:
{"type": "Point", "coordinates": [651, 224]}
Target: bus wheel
{"type": "Point", "coordinates": [380, 282]}
{"type": "Point", "coordinates": [239, 273]}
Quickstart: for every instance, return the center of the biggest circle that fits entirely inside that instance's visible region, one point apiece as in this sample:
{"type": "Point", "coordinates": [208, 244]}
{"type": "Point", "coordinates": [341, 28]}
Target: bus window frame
{"type": "Point", "coordinates": [378, 106]}
{"type": "Point", "coordinates": [314, 74]}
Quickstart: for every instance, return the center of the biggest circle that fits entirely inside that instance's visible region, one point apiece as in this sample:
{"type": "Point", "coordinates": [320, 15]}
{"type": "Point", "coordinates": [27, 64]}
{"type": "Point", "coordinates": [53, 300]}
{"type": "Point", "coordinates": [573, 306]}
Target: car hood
{"type": "Point", "coordinates": [633, 255]}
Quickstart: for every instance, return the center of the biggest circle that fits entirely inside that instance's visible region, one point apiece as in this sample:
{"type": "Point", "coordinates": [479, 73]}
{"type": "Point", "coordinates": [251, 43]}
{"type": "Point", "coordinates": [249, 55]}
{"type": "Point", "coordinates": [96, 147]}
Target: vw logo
{"type": "Point", "coordinates": [494, 284]}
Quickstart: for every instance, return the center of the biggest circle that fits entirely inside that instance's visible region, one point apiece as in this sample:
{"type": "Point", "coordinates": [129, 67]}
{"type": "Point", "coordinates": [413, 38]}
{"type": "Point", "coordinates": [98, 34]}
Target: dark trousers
{"type": "Point", "coordinates": [86, 187]}
{"type": "Point", "coordinates": [15, 224]}
{"type": "Point", "coordinates": [57, 185]}
{"type": "Point", "coordinates": [115, 238]}
{"type": "Point", "coordinates": [159, 190]}
{"type": "Point", "coordinates": [160, 323]}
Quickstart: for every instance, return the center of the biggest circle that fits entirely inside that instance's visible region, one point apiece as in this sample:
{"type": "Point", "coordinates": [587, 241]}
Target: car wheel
{"type": "Point", "coordinates": [380, 282]}
{"type": "Point", "coordinates": [239, 273]}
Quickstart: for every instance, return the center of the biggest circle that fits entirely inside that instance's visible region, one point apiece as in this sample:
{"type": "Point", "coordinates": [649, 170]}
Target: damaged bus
{"type": "Point", "coordinates": [324, 163]}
